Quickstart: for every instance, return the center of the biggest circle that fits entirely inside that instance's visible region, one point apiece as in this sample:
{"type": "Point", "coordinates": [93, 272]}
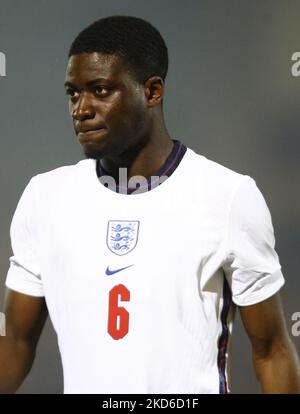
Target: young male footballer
{"type": "Point", "coordinates": [141, 252]}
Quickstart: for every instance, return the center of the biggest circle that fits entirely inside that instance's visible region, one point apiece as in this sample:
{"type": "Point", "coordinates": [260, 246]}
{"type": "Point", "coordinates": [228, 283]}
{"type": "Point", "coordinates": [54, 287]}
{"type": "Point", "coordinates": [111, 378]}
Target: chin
{"type": "Point", "coordinates": [96, 152]}
{"type": "Point", "coordinates": [94, 155]}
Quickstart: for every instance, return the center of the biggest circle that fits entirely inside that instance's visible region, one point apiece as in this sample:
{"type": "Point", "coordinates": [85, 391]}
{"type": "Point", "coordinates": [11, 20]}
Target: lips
{"type": "Point", "coordinates": [89, 129]}
{"type": "Point", "coordinates": [90, 135]}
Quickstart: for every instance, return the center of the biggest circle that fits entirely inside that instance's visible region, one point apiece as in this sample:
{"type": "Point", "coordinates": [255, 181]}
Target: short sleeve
{"type": "Point", "coordinates": [251, 263]}
{"type": "Point", "coordinates": [24, 274]}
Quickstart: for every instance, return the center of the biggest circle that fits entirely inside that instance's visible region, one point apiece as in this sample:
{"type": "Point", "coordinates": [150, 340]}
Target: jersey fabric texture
{"type": "Point", "coordinates": [141, 288]}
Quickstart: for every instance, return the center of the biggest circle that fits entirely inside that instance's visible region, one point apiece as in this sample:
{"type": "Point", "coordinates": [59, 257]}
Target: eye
{"type": "Point", "coordinates": [101, 91]}
{"type": "Point", "coordinates": [70, 92]}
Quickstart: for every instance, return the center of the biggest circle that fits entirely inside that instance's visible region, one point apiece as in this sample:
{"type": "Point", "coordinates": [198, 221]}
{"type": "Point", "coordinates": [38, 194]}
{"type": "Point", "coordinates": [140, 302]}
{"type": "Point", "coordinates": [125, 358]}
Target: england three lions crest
{"type": "Point", "coordinates": [122, 236]}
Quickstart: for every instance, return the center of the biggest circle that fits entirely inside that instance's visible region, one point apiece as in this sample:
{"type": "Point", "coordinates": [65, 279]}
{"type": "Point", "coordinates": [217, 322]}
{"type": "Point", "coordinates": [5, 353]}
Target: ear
{"type": "Point", "coordinates": [154, 90]}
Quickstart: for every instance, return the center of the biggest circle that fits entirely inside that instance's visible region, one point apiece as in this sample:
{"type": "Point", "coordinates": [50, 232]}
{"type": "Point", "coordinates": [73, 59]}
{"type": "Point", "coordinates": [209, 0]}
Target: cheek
{"type": "Point", "coordinates": [133, 121]}
{"type": "Point", "coordinates": [71, 110]}
{"type": "Point", "coordinates": [128, 116]}
{"type": "Point", "coordinates": [135, 112]}
{"type": "Point", "coordinates": [126, 112]}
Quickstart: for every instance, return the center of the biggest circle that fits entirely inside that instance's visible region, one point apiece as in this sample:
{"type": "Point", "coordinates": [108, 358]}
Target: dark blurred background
{"type": "Point", "coordinates": [231, 96]}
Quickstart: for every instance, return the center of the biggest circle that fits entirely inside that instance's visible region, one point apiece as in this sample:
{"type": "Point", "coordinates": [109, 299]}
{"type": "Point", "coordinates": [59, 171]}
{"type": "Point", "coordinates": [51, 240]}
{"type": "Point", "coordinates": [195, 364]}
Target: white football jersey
{"type": "Point", "coordinates": [141, 288]}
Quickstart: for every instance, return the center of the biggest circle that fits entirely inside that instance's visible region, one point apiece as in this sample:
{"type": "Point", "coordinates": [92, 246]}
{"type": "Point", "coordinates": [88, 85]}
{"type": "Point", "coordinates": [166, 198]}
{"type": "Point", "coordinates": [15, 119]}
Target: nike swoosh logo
{"type": "Point", "coordinates": [112, 272]}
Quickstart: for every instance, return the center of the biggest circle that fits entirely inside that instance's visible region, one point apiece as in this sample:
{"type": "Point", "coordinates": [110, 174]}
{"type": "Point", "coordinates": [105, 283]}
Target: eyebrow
{"type": "Point", "coordinates": [89, 83]}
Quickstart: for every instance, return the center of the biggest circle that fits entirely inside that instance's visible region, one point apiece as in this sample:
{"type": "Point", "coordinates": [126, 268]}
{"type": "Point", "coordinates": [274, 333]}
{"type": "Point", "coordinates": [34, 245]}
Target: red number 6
{"type": "Point", "coordinates": [118, 317]}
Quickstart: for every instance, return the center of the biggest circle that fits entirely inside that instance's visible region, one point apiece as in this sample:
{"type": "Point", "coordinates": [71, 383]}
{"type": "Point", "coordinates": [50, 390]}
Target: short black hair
{"type": "Point", "coordinates": [134, 39]}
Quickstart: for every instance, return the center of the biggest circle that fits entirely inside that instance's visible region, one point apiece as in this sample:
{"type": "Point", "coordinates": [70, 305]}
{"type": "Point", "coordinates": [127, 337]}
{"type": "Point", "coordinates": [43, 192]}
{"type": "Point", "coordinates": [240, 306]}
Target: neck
{"type": "Point", "coordinates": [145, 160]}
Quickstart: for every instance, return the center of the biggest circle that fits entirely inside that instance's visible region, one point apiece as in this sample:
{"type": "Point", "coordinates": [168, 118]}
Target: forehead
{"type": "Point", "coordinates": [87, 66]}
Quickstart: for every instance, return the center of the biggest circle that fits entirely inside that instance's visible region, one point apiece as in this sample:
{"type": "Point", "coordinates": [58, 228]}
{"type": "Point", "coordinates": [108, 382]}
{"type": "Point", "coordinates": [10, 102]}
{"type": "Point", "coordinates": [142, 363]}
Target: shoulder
{"type": "Point", "coordinates": [215, 177]}
{"type": "Point", "coordinates": [62, 176]}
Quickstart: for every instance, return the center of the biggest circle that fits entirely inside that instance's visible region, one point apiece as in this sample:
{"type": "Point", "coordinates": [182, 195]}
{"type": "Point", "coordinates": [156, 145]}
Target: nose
{"type": "Point", "coordinates": [83, 109]}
